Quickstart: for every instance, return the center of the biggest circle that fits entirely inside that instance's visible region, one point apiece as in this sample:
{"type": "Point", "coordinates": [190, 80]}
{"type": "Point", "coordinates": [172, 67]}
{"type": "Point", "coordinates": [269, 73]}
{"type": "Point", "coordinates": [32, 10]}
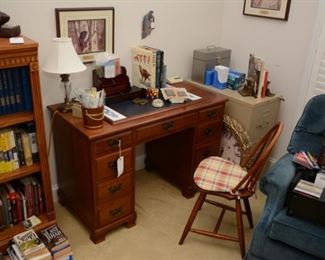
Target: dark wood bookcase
{"type": "Point", "coordinates": [15, 56]}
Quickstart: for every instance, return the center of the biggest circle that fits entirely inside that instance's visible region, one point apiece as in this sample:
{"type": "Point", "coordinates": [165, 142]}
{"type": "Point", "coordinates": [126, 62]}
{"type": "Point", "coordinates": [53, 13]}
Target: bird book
{"type": "Point", "coordinates": [143, 67]}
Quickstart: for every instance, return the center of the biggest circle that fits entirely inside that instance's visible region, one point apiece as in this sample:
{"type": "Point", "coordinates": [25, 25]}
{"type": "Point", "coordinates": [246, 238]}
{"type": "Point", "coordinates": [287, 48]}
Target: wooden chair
{"type": "Point", "coordinates": [220, 177]}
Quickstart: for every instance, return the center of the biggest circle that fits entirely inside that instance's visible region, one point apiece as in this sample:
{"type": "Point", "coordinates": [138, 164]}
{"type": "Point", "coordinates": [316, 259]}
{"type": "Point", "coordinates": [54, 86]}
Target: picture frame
{"type": "Point", "coordinates": [273, 9]}
{"type": "Point", "coordinates": [91, 30]}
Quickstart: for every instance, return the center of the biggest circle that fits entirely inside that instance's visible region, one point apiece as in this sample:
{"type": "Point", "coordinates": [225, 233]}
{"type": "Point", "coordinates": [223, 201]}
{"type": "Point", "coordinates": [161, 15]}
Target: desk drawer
{"type": "Point", "coordinates": [212, 113]}
{"type": "Point", "coordinates": [114, 210]}
{"type": "Point", "coordinates": [166, 127]}
{"type": "Point", "coordinates": [106, 166]}
{"type": "Point", "coordinates": [110, 144]}
{"type": "Point", "coordinates": [205, 151]}
{"type": "Point", "coordinates": [110, 190]}
{"type": "Point", "coordinates": [209, 132]}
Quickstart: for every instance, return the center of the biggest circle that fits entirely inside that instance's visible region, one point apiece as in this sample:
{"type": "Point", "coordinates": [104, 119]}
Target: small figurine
{"type": "Point", "coordinates": [248, 89]}
{"type": "Point", "coordinates": [147, 24]}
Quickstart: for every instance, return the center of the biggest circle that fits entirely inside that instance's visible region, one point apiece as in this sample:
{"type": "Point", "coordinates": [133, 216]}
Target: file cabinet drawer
{"type": "Point", "coordinates": [110, 144]}
{"type": "Point", "coordinates": [209, 132]}
{"type": "Point", "coordinates": [114, 210]}
{"type": "Point", "coordinates": [166, 127]}
{"type": "Point", "coordinates": [106, 166]}
{"type": "Point", "coordinates": [213, 113]}
{"type": "Point", "coordinates": [110, 190]}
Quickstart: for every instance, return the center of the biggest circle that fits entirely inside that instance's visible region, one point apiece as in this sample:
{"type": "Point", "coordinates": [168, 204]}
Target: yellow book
{"type": "Point", "coordinates": [27, 148]}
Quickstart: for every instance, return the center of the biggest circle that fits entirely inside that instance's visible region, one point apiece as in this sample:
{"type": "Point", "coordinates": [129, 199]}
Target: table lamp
{"type": "Point", "coordinates": [63, 60]}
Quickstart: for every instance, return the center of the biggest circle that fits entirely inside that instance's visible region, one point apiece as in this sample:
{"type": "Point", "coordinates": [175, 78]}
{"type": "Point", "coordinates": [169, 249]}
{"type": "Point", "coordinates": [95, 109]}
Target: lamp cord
{"type": "Point", "coordinates": [51, 133]}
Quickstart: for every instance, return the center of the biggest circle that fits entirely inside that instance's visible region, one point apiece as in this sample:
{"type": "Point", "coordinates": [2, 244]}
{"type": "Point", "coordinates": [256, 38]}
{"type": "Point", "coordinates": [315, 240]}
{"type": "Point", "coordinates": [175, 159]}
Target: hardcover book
{"type": "Point", "coordinates": [143, 67]}
{"type": "Point", "coordinates": [28, 242]}
{"type": "Point", "coordinates": [54, 238]}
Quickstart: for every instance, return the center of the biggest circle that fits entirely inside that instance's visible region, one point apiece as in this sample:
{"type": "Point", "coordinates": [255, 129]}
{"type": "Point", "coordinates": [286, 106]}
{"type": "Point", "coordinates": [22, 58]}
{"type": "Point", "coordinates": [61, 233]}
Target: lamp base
{"type": "Point", "coordinates": [66, 107]}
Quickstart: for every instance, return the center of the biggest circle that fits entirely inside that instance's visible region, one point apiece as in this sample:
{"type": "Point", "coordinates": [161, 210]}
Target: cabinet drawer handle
{"type": "Point", "coordinates": [116, 212]}
{"type": "Point", "coordinates": [112, 164]}
{"type": "Point", "coordinates": [211, 114]}
{"type": "Point", "coordinates": [168, 125]}
{"type": "Point", "coordinates": [115, 188]}
{"type": "Point", "coordinates": [113, 142]}
{"type": "Point", "coordinates": [206, 153]}
{"type": "Point", "coordinates": [209, 131]}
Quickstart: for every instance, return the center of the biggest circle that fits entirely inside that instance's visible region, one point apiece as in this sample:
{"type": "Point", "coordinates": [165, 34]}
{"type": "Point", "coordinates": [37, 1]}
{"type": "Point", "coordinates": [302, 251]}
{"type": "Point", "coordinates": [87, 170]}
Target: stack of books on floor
{"type": "Point", "coordinates": [27, 245]}
{"type": "Point", "coordinates": [56, 242]}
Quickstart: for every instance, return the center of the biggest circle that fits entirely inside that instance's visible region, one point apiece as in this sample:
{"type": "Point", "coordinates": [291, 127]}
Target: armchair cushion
{"type": "Point", "coordinates": [298, 233]}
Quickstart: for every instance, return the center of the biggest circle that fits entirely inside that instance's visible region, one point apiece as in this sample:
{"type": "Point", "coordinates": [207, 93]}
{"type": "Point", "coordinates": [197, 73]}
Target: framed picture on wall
{"type": "Point", "coordinates": [275, 9]}
{"type": "Point", "coordinates": [91, 29]}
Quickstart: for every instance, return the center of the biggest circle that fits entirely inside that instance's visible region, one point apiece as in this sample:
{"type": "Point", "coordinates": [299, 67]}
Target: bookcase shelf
{"type": "Point", "coordinates": [15, 119]}
{"type": "Point", "coordinates": [20, 172]}
{"type": "Point", "coordinates": [19, 74]}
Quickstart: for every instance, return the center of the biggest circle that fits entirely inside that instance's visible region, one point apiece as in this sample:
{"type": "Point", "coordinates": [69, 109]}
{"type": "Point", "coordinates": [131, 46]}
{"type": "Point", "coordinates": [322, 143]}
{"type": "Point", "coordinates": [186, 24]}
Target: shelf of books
{"type": "Point", "coordinates": [25, 188]}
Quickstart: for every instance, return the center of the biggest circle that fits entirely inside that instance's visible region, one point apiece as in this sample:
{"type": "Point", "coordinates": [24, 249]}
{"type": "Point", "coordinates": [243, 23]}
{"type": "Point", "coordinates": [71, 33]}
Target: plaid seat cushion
{"type": "Point", "coordinates": [218, 174]}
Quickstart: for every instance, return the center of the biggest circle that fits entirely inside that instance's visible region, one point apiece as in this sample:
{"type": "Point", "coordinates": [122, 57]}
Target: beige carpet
{"type": "Point", "coordinates": [162, 213]}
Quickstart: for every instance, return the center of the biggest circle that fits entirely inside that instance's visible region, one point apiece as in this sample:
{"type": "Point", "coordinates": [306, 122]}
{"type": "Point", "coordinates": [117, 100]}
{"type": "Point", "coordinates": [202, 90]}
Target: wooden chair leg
{"type": "Point", "coordinates": [248, 212]}
{"type": "Point", "coordinates": [240, 228]}
{"type": "Point", "coordinates": [191, 219]}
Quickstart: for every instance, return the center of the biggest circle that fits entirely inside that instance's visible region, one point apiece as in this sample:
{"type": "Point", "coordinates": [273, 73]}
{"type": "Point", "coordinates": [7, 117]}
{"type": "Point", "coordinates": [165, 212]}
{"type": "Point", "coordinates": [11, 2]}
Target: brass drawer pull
{"type": "Point", "coordinates": [116, 212]}
{"type": "Point", "coordinates": [209, 131]}
{"type": "Point", "coordinates": [168, 125]}
{"type": "Point", "coordinates": [115, 188]}
{"type": "Point", "coordinates": [113, 142]}
{"type": "Point", "coordinates": [211, 114]}
{"type": "Point", "coordinates": [112, 164]}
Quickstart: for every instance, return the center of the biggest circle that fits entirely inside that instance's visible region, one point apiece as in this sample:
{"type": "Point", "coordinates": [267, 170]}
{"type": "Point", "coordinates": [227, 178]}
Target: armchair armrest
{"type": "Point", "coordinates": [275, 186]}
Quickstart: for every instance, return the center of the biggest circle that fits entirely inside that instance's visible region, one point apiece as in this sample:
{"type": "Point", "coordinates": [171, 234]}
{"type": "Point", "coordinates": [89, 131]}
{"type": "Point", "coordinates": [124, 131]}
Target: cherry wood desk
{"type": "Point", "coordinates": [177, 138]}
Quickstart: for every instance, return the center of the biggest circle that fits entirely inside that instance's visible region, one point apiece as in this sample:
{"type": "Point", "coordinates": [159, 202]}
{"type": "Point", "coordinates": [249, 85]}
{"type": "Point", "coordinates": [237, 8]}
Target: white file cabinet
{"type": "Point", "coordinates": [257, 116]}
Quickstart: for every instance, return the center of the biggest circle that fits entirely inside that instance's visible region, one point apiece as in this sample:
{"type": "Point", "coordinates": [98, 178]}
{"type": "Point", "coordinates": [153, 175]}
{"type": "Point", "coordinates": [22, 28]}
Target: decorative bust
{"type": "Point", "coordinates": [5, 30]}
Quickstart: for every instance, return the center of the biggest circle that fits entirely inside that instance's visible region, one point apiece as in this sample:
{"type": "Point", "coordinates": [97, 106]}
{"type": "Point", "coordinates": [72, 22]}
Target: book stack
{"type": "Point", "coordinates": [27, 245]}
{"type": "Point", "coordinates": [15, 90]}
{"type": "Point", "coordinates": [147, 67]}
{"type": "Point", "coordinates": [18, 147]}
{"type": "Point", "coordinates": [56, 242]}
{"type": "Point", "coordinates": [20, 199]}
{"type": "Point", "coordinates": [258, 72]}
{"type": "Point", "coordinates": [305, 159]}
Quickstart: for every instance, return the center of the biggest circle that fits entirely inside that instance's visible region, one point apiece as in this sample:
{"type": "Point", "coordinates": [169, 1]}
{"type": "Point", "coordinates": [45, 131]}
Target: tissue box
{"type": "Point", "coordinates": [235, 80]}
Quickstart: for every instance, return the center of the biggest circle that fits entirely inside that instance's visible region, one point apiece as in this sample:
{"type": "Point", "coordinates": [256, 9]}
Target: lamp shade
{"type": "Point", "coordinates": [63, 58]}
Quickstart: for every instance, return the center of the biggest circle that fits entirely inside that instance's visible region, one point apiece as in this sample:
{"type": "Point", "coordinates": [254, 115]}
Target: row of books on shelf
{"type": "Point", "coordinates": [18, 147]}
{"type": "Point", "coordinates": [19, 200]}
{"type": "Point", "coordinates": [148, 68]}
{"type": "Point", "coordinates": [257, 70]}
{"type": "Point", "coordinates": [51, 243]}
{"type": "Point", "coordinates": [15, 90]}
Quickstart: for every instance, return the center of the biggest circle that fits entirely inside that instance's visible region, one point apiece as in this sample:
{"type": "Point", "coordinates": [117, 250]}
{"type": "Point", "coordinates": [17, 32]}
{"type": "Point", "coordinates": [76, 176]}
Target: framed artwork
{"type": "Point", "coordinates": [234, 140]}
{"type": "Point", "coordinates": [91, 30]}
{"type": "Point", "coordinates": [275, 9]}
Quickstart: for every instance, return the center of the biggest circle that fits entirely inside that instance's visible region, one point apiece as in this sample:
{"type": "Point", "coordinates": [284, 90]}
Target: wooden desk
{"type": "Point", "coordinates": [177, 138]}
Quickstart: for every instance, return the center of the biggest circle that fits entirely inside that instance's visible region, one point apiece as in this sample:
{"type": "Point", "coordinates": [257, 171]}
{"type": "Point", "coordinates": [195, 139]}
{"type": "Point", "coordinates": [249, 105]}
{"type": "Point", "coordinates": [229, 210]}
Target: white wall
{"type": "Point", "coordinates": [284, 46]}
{"type": "Point", "coordinates": [181, 27]}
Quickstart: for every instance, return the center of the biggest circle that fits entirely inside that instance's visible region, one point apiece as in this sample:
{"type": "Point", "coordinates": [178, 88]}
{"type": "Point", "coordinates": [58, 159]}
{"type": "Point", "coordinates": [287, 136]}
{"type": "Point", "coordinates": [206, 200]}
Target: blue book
{"type": "Point", "coordinates": [11, 90]}
{"type": "Point", "coordinates": [18, 89]}
{"type": "Point", "coordinates": [26, 88]}
{"type": "Point", "coordinates": [6, 92]}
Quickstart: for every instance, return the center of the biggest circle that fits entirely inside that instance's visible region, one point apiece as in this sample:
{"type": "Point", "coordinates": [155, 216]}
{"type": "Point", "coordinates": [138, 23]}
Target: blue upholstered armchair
{"type": "Point", "coordinates": [279, 236]}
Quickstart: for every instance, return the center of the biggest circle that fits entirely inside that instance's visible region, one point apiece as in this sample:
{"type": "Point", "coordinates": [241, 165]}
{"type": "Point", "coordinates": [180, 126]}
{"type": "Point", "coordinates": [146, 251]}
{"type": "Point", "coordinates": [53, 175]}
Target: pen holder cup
{"type": "Point", "coordinates": [93, 117]}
